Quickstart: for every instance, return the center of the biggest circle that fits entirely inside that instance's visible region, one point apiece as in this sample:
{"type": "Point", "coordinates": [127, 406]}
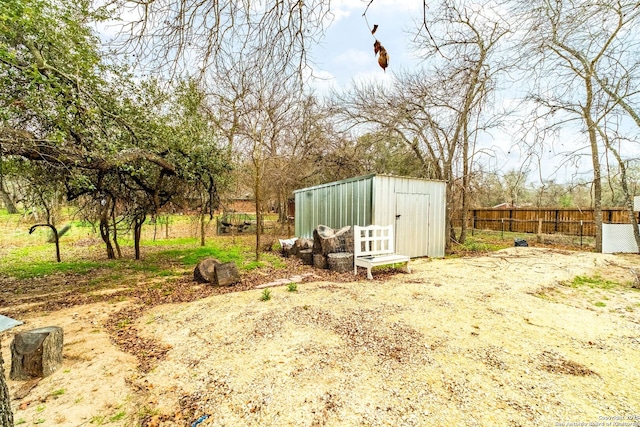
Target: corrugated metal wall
{"type": "Point", "coordinates": [336, 204]}
{"type": "Point", "coordinates": [377, 199]}
{"type": "Point", "coordinates": [421, 231]}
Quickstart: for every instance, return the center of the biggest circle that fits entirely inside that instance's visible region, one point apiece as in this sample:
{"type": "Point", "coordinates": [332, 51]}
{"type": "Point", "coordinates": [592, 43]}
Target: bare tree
{"type": "Point", "coordinates": [577, 46]}
{"type": "Point", "coordinates": [259, 110]}
{"type": "Point", "coordinates": [185, 35]}
{"type": "Point", "coordinates": [439, 111]}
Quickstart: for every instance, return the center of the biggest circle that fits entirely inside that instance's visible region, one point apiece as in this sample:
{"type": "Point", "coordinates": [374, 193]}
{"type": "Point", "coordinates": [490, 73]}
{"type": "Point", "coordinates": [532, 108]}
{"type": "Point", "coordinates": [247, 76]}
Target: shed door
{"type": "Point", "coordinates": [412, 224]}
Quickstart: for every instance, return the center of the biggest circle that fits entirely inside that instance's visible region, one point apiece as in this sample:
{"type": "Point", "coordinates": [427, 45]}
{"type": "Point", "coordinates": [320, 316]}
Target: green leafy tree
{"type": "Point", "coordinates": [110, 142]}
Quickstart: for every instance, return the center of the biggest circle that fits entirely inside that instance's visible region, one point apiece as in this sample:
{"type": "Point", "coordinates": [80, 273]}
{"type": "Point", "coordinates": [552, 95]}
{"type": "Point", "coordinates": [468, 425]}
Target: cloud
{"type": "Point", "coordinates": [353, 58]}
{"type": "Point", "coordinates": [343, 9]}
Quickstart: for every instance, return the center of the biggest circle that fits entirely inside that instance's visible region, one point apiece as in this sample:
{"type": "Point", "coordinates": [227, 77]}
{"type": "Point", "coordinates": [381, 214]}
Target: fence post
{"type": "Point", "coordinates": [502, 233]}
{"type": "Point", "coordinates": [580, 232]}
{"type": "Point", "coordinates": [473, 225]}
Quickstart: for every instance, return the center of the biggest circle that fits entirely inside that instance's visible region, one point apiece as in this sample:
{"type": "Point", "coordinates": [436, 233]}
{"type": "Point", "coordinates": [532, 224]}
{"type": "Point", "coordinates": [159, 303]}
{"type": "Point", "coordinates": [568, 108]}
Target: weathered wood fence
{"type": "Point", "coordinates": [570, 221]}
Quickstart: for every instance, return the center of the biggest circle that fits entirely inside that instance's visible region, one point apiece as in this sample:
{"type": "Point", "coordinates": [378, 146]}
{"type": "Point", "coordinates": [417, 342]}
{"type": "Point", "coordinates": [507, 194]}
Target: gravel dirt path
{"type": "Point", "coordinates": [502, 339]}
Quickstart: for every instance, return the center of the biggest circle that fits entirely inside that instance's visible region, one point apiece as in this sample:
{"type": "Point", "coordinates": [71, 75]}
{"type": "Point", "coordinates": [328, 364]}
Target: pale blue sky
{"type": "Point", "coordinates": [346, 52]}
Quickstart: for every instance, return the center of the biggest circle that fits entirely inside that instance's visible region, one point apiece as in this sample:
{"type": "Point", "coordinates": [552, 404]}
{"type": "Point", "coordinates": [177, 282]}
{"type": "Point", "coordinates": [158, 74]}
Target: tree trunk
{"type": "Point", "coordinates": [449, 216]}
{"type": "Point", "coordinates": [595, 158]}
{"type": "Point", "coordinates": [55, 236]}
{"type": "Point", "coordinates": [202, 228]}
{"type": "Point", "coordinates": [137, 232]}
{"type": "Point", "coordinates": [105, 233]}
{"type": "Point", "coordinates": [6, 416]}
{"type": "Point", "coordinates": [8, 203]}
{"type": "Point", "coordinates": [258, 214]}
{"type": "Point", "coordinates": [115, 233]}
{"type": "Point", "coordinates": [36, 353]}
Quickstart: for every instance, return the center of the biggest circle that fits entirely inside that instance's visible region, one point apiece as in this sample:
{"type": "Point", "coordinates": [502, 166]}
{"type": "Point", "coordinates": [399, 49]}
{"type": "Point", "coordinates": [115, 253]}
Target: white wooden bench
{"type": "Point", "coordinates": [373, 246]}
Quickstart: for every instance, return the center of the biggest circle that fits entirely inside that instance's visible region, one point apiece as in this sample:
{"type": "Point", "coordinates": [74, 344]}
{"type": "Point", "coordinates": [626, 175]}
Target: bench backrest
{"type": "Point", "coordinates": [372, 240]}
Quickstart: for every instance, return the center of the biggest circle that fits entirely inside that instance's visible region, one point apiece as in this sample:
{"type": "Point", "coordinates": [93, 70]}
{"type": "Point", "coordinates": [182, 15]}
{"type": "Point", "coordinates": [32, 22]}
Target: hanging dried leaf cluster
{"type": "Point", "coordinates": [378, 49]}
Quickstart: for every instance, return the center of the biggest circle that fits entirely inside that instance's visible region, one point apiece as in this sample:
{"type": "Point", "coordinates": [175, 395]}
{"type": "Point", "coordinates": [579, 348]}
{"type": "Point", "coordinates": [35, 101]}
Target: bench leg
{"type": "Point", "coordinates": [369, 275]}
{"type": "Point", "coordinates": [408, 268]}
{"type": "Point", "coordinates": [355, 269]}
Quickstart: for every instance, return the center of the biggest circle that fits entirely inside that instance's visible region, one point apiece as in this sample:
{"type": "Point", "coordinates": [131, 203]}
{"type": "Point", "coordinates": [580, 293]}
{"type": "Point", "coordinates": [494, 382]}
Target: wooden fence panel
{"type": "Point", "coordinates": [570, 221]}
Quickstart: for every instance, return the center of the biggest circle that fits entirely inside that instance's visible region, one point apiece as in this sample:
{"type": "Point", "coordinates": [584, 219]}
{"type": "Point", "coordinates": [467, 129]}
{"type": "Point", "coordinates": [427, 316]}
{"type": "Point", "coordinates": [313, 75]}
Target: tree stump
{"type": "Point", "coordinates": [319, 261]}
{"type": "Point", "coordinates": [205, 270]}
{"type": "Point", "coordinates": [6, 416]}
{"type": "Point", "coordinates": [226, 274]}
{"type": "Point", "coordinates": [36, 353]}
{"type": "Point", "coordinates": [306, 255]}
{"type": "Point", "coordinates": [340, 262]}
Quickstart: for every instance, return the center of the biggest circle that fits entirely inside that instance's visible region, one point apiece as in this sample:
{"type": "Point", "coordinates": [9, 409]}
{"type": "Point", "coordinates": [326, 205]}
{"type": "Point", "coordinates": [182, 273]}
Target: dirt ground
{"type": "Point", "coordinates": [497, 340]}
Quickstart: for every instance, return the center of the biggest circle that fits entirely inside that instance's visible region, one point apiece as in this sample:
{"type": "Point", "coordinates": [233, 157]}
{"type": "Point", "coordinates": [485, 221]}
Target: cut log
{"type": "Point", "coordinates": [301, 244]}
{"type": "Point", "coordinates": [340, 262]}
{"type": "Point", "coordinates": [36, 353]}
{"type": "Point", "coordinates": [226, 274]}
{"type": "Point", "coordinates": [345, 237]}
{"type": "Point", "coordinates": [319, 261]}
{"type": "Point", "coordinates": [317, 242]}
{"type": "Point", "coordinates": [326, 240]}
{"type": "Point", "coordinates": [331, 241]}
{"type": "Point", "coordinates": [205, 270]}
{"type": "Point", "coordinates": [306, 255]}
{"type": "Point", "coordinates": [6, 416]}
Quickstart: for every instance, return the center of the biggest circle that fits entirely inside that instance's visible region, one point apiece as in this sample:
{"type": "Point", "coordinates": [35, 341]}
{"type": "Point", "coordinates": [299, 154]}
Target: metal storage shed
{"type": "Point", "coordinates": [417, 208]}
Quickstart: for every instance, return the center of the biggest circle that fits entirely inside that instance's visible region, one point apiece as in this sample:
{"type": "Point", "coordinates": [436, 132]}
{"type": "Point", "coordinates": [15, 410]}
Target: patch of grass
{"type": "Point", "coordinates": [266, 295]}
{"type": "Point", "coordinates": [480, 243]}
{"type": "Point", "coordinates": [29, 270]}
{"type": "Point", "coordinates": [251, 265]}
{"type": "Point", "coordinates": [189, 257]}
{"type": "Point", "coordinates": [123, 323]}
{"type": "Point", "coordinates": [20, 421]}
{"type": "Point", "coordinates": [595, 282]}
{"type": "Point", "coordinates": [59, 392]}
{"type": "Point", "coordinates": [145, 412]}
{"type": "Point", "coordinates": [40, 408]}
{"type": "Point", "coordinates": [117, 417]}
{"type": "Point", "coordinates": [292, 287]}
{"type": "Point", "coordinates": [40, 421]}
{"type": "Point", "coordinates": [274, 260]}
{"type": "Point", "coordinates": [600, 304]}
{"type": "Point", "coordinates": [97, 420]}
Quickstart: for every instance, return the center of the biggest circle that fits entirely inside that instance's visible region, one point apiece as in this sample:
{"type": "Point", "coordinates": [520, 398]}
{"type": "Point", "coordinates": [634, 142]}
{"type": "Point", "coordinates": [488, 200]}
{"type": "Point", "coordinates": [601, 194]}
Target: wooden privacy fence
{"type": "Point", "coordinates": [570, 221]}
